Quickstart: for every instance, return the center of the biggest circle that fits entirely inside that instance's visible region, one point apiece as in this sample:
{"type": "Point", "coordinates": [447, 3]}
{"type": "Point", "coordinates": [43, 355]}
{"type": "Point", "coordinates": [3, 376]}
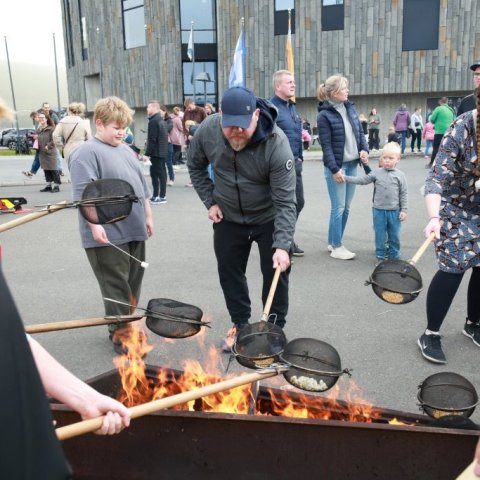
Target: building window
{"type": "Point", "coordinates": [332, 15]}
{"type": "Point", "coordinates": [133, 24]}
{"type": "Point", "coordinates": [417, 33]}
{"type": "Point", "coordinates": [281, 16]}
{"type": "Point", "coordinates": [83, 30]}
{"type": "Point", "coordinates": [203, 65]}
{"type": "Point", "coordinates": [67, 25]}
{"type": "Point", "coordinates": [205, 82]}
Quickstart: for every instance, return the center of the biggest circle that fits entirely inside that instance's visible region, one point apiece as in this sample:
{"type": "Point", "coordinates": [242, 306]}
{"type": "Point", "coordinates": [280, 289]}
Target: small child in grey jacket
{"type": "Point", "coordinates": [390, 197]}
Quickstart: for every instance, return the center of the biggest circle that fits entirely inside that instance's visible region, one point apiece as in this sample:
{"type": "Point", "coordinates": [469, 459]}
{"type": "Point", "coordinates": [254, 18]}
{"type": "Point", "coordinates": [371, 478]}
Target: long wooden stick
{"type": "Point", "coordinates": [422, 249]}
{"type": "Point", "coordinates": [468, 474]}
{"type": "Point", "coordinates": [86, 426]}
{"type": "Point", "coordinates": [32, 216]}
{"type": "Point", "coordinates": [88, 322]}
{"type": "Point", "coordinates": [271, 294]}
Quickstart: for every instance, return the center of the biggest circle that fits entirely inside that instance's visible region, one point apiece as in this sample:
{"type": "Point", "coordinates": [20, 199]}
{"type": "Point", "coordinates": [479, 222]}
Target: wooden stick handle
{"type": "Point", "coordinates": [271, 294]}
{"type": "Point", "coordinates": [75, 429]}
{"type": "Point", "coordinates": [468, 474]}
{"type": "Point", "coordinates": [88, 322]}
{"type": "Point", "coordinates": [422, 248]}
{"type": "Point", "coordinates": [32, 216]}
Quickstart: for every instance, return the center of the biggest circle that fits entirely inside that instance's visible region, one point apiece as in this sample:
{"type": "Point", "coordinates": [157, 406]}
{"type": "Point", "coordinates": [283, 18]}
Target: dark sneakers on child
{"type": "Point", "coordinates": [472, 330]}
{"type": "Point", "coordinates": [431, 348]}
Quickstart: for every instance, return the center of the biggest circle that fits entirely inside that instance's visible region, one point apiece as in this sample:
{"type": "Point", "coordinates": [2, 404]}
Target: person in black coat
{"type": "Point", "coordinates": [157, 151]}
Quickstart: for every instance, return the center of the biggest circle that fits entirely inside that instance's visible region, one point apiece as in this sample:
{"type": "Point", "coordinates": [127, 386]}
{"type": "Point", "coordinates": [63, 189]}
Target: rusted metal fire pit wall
{"type": "Point", "coordinates": [195, 445]}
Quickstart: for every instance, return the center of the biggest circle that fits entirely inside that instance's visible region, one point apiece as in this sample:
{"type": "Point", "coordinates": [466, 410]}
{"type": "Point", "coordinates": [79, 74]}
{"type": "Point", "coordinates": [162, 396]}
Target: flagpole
{"type": "Point", "coordinates": [193, 65]}
{"type": "Point", "coordinates": [11, 87]}
{"type": "Point", "coordinates": [244, 63]}
{"type": "Point", "coordinates": [289, 49]}
{"type": "Point", "coordinates": [56, 74]}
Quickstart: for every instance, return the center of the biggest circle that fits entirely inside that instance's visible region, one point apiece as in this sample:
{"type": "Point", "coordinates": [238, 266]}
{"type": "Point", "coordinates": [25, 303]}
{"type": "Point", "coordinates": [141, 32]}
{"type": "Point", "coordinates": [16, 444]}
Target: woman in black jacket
{"type": "Point", "coordinates": [344, 147]}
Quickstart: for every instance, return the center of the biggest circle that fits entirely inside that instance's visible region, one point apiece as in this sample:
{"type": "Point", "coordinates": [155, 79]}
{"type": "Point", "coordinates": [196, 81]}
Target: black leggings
{"type": "Point", "coordinates": [441, 293]}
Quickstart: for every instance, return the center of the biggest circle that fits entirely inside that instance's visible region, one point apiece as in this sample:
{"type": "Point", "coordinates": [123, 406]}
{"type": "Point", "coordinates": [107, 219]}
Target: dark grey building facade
{"type": "Point", "coordinates": [392, 51]}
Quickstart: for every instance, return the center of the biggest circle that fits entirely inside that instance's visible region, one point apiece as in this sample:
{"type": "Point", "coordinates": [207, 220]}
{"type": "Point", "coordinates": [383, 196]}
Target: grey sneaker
{"type": "Point", "coordinates": [472, 330]}
{"type": "Point", "coordinates": [226, 344]}
{"type": "Point", "coordinates": [431, 348]}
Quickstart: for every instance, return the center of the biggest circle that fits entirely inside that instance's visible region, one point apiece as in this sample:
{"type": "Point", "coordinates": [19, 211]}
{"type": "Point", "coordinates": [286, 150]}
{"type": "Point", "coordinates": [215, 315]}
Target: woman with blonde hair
{"type": "Point", "coordinates": [72, 130]}
{"type": "Point", "coordinates": [344, 148]}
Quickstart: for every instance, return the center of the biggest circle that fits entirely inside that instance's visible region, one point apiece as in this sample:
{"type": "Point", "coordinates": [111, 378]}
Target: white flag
{"type": "Point", "coordinates": [190, 45]}
{"type": "Point", "coordinates": [237, 72]}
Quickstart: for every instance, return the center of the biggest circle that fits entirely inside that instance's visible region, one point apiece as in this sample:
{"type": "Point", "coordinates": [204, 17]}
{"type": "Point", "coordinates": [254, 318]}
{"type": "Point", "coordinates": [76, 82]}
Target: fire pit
{"type": "Point", "coordinates": [182, 444]}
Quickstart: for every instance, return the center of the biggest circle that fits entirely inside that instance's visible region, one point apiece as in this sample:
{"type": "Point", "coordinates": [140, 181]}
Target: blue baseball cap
{"type": "Point", "coordinates": [238, 105]}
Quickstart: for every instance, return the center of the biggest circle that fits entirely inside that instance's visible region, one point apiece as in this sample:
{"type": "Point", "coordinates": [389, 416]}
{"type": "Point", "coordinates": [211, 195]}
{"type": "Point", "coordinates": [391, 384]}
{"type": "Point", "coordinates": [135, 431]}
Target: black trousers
{"type": "Point", "coordinates": [441, 293]}
{"type": "Point", "coordinates": [437, 140]}
{"type": "Point", "coordinates": [416, 137]}
{"type": "Point", "coordinates": [232, 243]}
{"type": "Point", "coordinates": [158, 174]}
{"type": "Point", "coordinates": [177, 154]}
{"type": "Point", "coordinates": [299, 186]}
{"type": "Point", "coordinates": [374, 139]}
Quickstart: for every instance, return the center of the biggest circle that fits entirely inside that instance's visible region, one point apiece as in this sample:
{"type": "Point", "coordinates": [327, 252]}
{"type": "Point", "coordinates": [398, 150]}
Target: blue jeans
{"type": "Point", "coordinates": [171, 173]}
{"type": "Point", "coordinates": [36, 163]}
{"type": "Point", "coordinates": [403, 140]}
{"type": "Point", "coordinates": [387, 233]}
{"type": "Point", "coordinates": [428, 144]}
{"type": "Point", "coordinates": [341, 195]}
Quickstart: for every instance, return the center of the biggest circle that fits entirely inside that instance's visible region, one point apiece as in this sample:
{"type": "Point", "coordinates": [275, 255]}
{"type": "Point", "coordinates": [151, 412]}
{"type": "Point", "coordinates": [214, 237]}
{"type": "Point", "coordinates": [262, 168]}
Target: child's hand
{"type": "Point", "coordinates": [402, 216]}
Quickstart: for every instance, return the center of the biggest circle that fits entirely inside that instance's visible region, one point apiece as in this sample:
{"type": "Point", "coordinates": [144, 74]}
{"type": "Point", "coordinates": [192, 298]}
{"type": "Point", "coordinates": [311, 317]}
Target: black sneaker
{"type": "Point", "coordinates": [472, 330]}
{"type": "Point", "coordinates": [431, 348]}
{"type": "Point", "coordinates": [48, 188]}
{"type": "Point", "coordinates": [297, 251]}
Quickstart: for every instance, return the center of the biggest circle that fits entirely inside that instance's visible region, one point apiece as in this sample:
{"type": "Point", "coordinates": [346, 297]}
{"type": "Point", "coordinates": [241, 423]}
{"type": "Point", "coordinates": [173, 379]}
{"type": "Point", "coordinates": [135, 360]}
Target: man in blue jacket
{"type": "Point", "coordinates": [291, 124]}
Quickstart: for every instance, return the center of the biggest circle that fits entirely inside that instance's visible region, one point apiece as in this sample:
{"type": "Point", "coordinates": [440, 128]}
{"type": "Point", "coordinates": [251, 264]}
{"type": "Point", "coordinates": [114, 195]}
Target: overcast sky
{"type": "Point", "coordinates": [29, 26]}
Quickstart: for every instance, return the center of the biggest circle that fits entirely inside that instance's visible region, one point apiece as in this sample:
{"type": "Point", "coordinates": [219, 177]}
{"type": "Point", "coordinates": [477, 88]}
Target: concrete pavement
{"type": "Point", "coordinates": [51, 280]}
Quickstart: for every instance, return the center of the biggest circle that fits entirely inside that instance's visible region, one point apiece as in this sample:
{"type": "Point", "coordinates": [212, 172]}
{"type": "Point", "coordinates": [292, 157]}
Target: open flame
{"type": "Point", "coordinates": [289, 401]}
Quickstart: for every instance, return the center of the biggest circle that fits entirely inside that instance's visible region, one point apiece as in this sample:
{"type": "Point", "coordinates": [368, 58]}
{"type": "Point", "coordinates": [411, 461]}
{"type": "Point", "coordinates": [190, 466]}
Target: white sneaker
{"type": "Point", "coordinates": [329, 248]}
{"type": "Point", "coordinates": [341, 253]}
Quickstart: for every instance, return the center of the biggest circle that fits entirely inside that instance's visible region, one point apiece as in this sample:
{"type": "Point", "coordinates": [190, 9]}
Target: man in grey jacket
{"type": "Point", "coordinates": [252, 199]}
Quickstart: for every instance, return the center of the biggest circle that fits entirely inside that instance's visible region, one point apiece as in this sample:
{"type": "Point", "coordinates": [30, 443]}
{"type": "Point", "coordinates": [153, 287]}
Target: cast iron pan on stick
{"type": "Point", "coordinates": [103, 201]}
{"type": "Point", "coordinates": [170, 318]}
{"type": "Point", "coordinates": [398, 281]}
{"type": "Point", "coordinates": [259, 344]}
{"type": "Point", "coordinates": [306, 363]}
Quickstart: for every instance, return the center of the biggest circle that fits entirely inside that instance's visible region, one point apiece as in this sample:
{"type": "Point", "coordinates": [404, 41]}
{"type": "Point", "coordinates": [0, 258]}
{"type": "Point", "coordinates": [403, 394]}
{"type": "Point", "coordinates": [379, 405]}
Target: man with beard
{"type": "Point", "coordinates": [252, 199]}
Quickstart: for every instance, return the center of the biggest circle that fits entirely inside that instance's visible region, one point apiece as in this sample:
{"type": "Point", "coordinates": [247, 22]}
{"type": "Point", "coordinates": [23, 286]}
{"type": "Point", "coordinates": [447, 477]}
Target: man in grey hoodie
{"type": "Point", "coordinates": [252, 199]}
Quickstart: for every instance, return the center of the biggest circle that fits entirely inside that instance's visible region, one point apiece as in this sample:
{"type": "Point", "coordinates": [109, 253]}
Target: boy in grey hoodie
{"type": "Point", "coordinates": [390, 199]}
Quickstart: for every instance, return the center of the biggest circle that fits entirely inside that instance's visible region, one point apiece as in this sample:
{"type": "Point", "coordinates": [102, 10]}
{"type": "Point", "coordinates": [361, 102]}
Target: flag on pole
{"type": "Point", "coordinates": [237, 72]}
{"type": "Point", "coordinates": [289, 49]}
{"type": "Point", "coordinates": [190, 52]}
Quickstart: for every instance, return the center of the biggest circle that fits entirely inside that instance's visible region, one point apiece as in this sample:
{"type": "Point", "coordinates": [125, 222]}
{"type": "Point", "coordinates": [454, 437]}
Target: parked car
{"type": "Point", "coordinates": [9, 139]}
{"type": "Point", "coordinates": [3, 132]}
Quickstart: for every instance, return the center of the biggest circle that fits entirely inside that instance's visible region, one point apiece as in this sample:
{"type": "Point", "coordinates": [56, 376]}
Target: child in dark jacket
{"type": "Point", "coordinates": [393, 136]}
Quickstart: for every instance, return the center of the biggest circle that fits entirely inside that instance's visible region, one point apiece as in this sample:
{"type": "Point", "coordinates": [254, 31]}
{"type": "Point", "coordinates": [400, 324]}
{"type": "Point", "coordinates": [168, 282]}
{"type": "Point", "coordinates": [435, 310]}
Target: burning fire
{"type": "Point", "coordinates": [289, 402]}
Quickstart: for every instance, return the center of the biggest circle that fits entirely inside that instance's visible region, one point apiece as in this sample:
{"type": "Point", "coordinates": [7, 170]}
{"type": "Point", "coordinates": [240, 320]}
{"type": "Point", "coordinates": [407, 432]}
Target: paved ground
{"type": "Point", "coordinates": [51, 280]}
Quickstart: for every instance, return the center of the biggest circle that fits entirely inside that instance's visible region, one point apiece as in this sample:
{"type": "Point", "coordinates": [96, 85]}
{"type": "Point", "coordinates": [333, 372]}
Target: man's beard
{"type": "Point", "coordinates": [237, 145]}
